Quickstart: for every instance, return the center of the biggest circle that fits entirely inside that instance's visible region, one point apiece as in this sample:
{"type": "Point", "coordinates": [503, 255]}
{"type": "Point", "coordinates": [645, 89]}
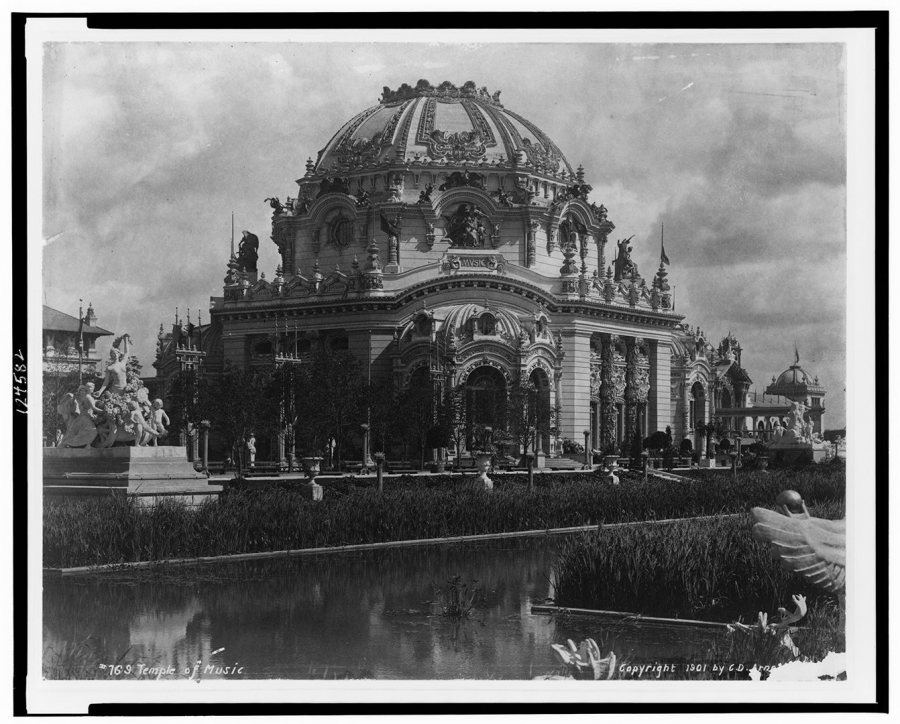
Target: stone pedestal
{"type": "Point", "coordinates": [146, 472]}
{"type": "Point", "coordinates": [313, 491]}
{"type": "Point", "coordinates": [483, 461]}
{"type": "Point", "coordinates": [707, 463]}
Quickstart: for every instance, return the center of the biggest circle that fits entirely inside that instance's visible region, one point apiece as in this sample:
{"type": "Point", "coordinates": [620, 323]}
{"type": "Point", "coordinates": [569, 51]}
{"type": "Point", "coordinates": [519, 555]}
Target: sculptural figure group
{"type": "Point", "coordinates": [115, 412]}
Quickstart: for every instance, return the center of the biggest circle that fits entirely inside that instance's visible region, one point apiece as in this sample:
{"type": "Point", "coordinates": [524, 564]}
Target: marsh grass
{"type": "Point", "coordinates": [114, 529]}
{"type": "Point", "coordinates": [457, 598]}
{"type": "Point", "coordinates": [710, 569]}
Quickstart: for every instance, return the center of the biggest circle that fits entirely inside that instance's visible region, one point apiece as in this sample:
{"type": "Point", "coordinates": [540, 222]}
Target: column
{"type": "Point", "coordinates": [575, 385]}
{"type": "Point", "coordinates": [631, 401]}
{"type": "Point", "coordinates": [608, 412]}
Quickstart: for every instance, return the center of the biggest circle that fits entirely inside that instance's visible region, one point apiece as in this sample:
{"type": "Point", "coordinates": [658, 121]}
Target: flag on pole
{"type": "Point", "coordinates": [80, 326]}
{"type": "Point", "coordinates": [796, 354]}
{"type": "Point", "coordinates": [662, 247]}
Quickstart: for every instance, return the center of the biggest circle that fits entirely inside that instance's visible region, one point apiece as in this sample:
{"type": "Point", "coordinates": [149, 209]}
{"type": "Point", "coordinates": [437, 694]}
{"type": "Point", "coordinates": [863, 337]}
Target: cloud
{"type": "Point", "coordinates": [149, 147]}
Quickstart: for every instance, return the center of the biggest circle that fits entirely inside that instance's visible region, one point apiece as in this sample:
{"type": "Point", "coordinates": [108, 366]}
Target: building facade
{"type": "Point", "coordinates": [444, 239]}
{"type": "Point", "coordinates": [70, 342]}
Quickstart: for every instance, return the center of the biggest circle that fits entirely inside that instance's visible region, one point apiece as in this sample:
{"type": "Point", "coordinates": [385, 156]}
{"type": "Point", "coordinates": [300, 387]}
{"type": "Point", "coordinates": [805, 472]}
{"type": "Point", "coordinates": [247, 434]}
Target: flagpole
{"type": "Point", "coordinates": [232, 233]}
{"type": "Point", "coordinates": [80, 338]}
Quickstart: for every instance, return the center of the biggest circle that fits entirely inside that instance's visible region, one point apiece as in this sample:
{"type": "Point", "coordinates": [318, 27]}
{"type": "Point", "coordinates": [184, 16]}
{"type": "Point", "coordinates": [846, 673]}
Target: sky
{"type": "Point", "coordinates": [739, 150]}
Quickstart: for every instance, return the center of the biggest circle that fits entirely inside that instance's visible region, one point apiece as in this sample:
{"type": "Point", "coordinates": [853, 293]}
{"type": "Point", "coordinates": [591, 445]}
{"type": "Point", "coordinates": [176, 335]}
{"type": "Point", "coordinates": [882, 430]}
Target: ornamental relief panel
{"type": "Point", "coordinates": [486, 348]}
{"type": "Point", "coordinates": [618, 382]}
{"type": "Point", "coordinates": [642, 383]}
{"type": "Point", "coordinates": [596, 381]}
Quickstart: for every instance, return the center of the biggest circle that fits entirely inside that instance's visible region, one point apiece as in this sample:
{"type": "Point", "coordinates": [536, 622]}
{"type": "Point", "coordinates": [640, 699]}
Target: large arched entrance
{"type": "Point", "coordinates": [541, 402]}
{"type": "Point", "coordinates": [698, 414]}
{"type": "Point", "coordinates": [485, 400]}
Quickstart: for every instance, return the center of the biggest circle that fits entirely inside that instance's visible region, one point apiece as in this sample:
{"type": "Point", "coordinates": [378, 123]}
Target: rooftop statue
{"type": "Point", "coordinates": [248, 251]}
{"type": "Point", "coordinates": [625, 268]}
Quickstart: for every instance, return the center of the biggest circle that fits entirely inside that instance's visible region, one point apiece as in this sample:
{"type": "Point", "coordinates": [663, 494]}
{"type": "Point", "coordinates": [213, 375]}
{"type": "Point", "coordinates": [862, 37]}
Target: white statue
{"type": "Point", "coordinates": [777, 431]}
{"type": "Point", "coordinates": [251, 449]}
{"type": "Point", "coordinates": [159, 420]}
{"type": "Point", "coordinates": [80, 412]}
{"type": "Point", "coordinates": [143, 432]}
{"type": "Point", "coordinates": [116, 368]}
{"type": "Point", "coordinates": [797, 427]}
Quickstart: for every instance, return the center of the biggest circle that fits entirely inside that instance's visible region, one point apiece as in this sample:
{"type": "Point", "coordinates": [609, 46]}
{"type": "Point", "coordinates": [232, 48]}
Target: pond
{"type": "Point", "coordinates": [336, 615]}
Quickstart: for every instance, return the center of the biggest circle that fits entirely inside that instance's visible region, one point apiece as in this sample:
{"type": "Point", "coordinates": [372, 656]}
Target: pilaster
{"type": "Point", "coordinates": [660, 402]}
{"type": "Point", "coordinates": [575, 385]}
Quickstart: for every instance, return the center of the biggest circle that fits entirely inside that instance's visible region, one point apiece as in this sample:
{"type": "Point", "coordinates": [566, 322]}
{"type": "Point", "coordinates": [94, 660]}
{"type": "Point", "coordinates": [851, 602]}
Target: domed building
{"type": "Point", "coordinates": [445, 239]}
{"type": "Point", "coordinates": [796, 385]}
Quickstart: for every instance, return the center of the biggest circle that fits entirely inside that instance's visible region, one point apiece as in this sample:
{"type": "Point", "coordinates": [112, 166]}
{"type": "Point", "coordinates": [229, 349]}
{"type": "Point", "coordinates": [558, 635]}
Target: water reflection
{"type": "Point", "coordinates": [364, 614]}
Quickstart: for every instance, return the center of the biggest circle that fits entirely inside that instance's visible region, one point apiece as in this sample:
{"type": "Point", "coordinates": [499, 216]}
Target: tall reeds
{"type": "Point", "coordinates": [711, 569]}
{"type": "Point", "coordinates": [113, 529]}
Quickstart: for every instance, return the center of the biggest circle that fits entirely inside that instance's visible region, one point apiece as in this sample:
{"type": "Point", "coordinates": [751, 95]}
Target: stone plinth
{"type": "Point", "coordinates": [140, 471]}
{"type": "Point", "coordinates": [796, 451]}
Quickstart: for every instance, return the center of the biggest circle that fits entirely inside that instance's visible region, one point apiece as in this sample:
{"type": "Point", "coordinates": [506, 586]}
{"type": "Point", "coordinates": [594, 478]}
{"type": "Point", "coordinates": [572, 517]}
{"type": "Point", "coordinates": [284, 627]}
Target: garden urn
{"type": "Point", "coordinates": [312, 465]}
{"type": "Point", "coordinates": [483, 460]}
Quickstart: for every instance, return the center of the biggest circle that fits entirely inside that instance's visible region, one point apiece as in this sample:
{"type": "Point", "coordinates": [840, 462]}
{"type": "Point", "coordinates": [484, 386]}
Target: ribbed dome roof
{"type": "Point", "coordinates": [507, 322]}
{"type": "Point", "coordinates": [441, 124]}
{"type": "Point", "coordinates": [793, 375]}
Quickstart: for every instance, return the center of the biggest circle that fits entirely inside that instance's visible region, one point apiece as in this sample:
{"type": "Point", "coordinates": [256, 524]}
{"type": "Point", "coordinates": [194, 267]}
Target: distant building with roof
{"type": "Point", "coordinates": [63, 334]}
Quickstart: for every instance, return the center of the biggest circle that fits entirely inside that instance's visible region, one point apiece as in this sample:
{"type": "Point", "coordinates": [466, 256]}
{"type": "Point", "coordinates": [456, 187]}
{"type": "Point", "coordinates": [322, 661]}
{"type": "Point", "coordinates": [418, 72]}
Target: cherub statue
{"type": "Point", "coordinates": [143, 433]}
{"type": "Point", "coordinates": [159, 420]}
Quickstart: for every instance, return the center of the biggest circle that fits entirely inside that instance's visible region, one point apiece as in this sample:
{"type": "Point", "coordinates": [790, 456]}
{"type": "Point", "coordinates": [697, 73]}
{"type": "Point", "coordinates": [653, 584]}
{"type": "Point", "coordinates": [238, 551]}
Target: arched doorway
{"type": "Point", "coordinates": [541, 382]}
{"type": "Point", "coordinates": [485, 400]}
{"type": "Point", "coordinates": [698, 414]}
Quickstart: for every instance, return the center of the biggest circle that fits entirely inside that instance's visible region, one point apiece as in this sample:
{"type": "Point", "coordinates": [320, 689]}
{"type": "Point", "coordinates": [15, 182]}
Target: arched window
{"type": "Point", "coordinates": [341, 232]}
{"type": "Point", "coordinates": [487, 324]}
{"type": "Point", "coordinates": [423, 325]}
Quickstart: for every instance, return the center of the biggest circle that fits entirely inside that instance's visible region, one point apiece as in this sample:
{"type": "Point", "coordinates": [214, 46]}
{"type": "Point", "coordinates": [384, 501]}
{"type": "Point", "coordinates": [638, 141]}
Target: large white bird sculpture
{"type": "Point", "coordinates": [814, 548]}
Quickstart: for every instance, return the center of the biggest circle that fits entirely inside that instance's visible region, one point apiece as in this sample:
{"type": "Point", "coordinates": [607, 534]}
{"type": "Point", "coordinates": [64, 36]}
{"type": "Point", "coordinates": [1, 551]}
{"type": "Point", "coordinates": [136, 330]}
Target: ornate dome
{"type": "Point", "coordinates": [442, 124]}
{"type": "Point", "coordinates": [795, 383]}
{"type": "Point", "coordinates": [793, 375]}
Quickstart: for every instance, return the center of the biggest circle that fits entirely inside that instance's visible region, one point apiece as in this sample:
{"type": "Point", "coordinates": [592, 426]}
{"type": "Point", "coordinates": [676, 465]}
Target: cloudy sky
{"type": "Point", "coordinates": [738, 149]}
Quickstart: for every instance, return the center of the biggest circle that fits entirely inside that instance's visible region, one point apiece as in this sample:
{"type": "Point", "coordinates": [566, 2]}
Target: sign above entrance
{"type": "Point", "coordinates": [477, 260]}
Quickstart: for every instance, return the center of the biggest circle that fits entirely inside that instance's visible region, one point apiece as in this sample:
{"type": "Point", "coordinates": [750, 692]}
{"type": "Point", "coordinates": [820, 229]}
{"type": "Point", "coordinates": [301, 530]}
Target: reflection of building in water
{"type": "Point", "coordinates": [177, 637]}
{"type": "Point", "coordinates": [446, 241]}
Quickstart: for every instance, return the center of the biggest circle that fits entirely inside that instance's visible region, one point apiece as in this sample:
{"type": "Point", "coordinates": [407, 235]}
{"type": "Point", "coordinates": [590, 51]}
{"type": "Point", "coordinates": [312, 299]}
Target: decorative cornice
{"type": "Point", "coordinates": [445, 90]}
